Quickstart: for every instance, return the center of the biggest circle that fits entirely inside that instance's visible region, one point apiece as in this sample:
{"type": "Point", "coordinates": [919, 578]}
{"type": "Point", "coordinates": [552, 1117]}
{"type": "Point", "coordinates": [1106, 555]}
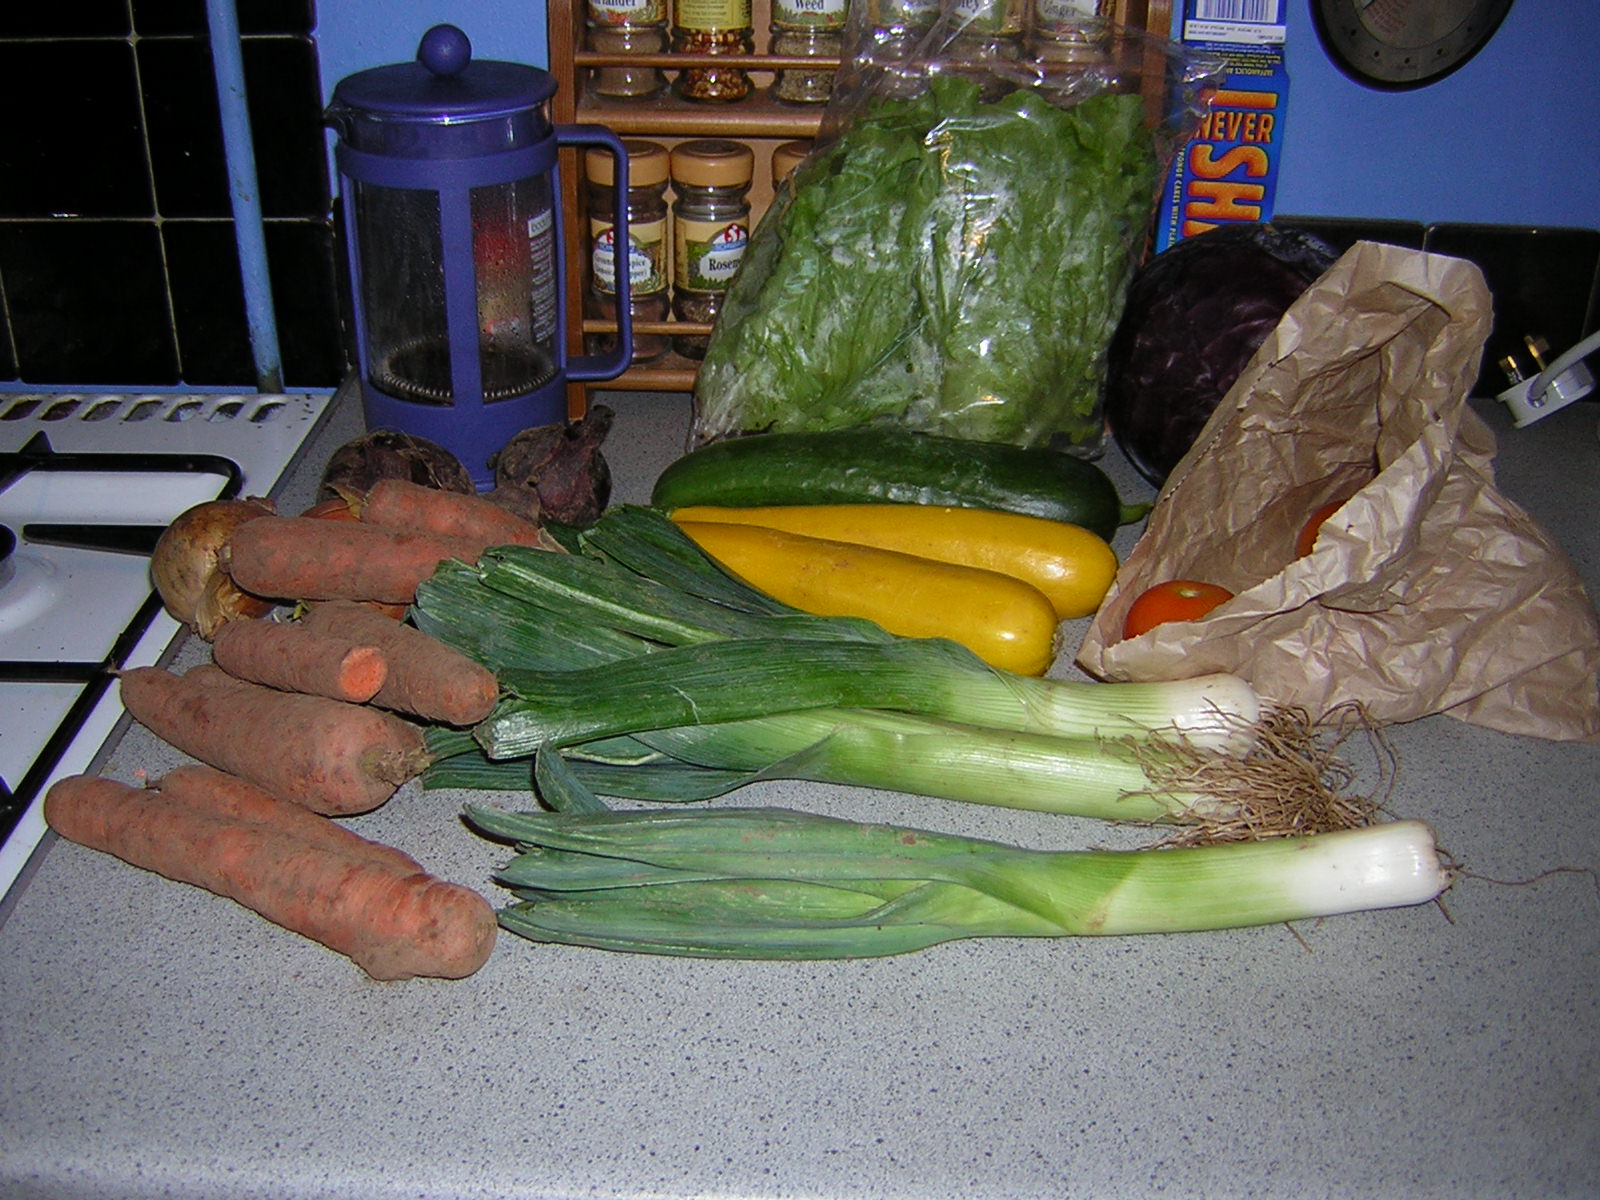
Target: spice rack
{"type": "Point", "coordinates": [758, 120]}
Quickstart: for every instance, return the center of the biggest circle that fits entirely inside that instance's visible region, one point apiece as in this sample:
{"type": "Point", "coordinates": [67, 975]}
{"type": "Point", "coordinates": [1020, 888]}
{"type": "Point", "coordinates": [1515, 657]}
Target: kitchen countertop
{"type": "Point", "coordinates": [158, 1041]}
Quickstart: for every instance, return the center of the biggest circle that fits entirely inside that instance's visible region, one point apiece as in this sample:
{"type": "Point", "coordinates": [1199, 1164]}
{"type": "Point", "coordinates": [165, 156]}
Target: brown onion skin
{"type": "Point", "coordinates": [186, 570]}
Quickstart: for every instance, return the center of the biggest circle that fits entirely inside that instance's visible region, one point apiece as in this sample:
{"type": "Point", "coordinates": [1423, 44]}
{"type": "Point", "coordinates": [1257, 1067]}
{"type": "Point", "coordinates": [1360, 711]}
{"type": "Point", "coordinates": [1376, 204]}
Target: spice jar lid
{"type": "Point", "coordinates": [786, 158]}
{"type": "Point", "coordinates": [647, 165]}
{"type": "Point", "coordinates": [713, 162]}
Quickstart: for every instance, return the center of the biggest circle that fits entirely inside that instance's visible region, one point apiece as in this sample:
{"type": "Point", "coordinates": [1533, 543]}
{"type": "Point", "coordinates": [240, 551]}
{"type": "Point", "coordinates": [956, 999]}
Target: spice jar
{"type": "Point", "coordinates": [896, 26]}
{"type": "Point", "coordinates": [808, 29]}
{"type": "Point", "coordinates": [645, 254]}
{"type": "Point", "coordinates": [988, 29]}
{"type": "Point", "coordinates": [712, 27]}
{"type": "Point", "coordinates": [785, 158]}
{"type": "Point", "coordinates": [711, 227]}
{"type": "Point", "coordinates": [1068, 31]}
{"type": "Point", "coordinates": [626, 27]}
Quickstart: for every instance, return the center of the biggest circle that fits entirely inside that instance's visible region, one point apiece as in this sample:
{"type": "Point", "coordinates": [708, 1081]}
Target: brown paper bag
{"type": "Point", "coordinates": [1428, 591]}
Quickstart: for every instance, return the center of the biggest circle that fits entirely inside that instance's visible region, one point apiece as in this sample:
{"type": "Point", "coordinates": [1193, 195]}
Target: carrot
{"type": "Point", "coordinates": [330, 756]}
{"type": "Point", "coordinates": [393, 920]}
{"type": "Point", "coordinates": [426, 678]}
{"type": "Point", "coordinates": [401, 504]}
{"type": "Point", "coordinates": [304, 558]}
{"type": "Point", "coordinates": [227, 797]}
{"type": "Point", "coordinates": [293, 658]}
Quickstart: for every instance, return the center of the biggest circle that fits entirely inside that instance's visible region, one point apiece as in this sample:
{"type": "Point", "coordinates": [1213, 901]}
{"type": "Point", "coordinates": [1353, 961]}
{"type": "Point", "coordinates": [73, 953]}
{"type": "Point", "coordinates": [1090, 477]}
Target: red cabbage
{"type": "Point", "coordinates": [1195, 314]}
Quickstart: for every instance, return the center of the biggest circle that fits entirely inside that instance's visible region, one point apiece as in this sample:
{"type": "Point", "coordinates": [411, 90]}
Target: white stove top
{"type": "Point", "coordinates": [62, 606]}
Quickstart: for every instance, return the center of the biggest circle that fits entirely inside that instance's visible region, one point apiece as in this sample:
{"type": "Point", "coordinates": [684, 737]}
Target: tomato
{"type": "Point", "coordinates": [1175, 600]}
{"type": "Point", "coordinates": [1309, 531]}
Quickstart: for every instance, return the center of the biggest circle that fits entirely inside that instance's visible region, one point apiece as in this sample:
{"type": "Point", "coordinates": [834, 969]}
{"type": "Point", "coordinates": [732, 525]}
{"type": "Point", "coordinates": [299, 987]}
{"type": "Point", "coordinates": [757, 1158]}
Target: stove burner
{"type": "Point", "coordinates": [28, 586]}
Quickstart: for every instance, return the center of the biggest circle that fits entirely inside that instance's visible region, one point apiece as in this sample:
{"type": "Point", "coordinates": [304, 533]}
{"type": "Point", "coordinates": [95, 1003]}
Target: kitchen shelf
{"type": "Point", "coordinates": [758, 120]}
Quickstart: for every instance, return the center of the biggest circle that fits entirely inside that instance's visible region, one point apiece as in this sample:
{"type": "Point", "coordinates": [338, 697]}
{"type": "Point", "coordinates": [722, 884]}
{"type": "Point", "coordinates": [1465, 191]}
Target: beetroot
{"type": "Point", "coordinates": [385, 454]}
{"type": "Point", "coordinates": [556, 472]}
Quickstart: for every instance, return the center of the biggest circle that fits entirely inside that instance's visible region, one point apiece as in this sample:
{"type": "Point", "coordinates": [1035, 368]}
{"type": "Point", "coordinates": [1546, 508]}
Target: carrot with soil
{"type": "Point", "coordinates": [401, 504]}
{"type": "Point", "coordinates": [304, 558]}
{"type": "Point", "coordinates": [330, 756]}
{"type": "Point", "coordinates": [391, 918]}
{"type": "Point", "coordinates": [229, 798]}
{"type": "Point", "coordinates": [426, 678]}
{"type": "Point", "coordinates": [294, 658]}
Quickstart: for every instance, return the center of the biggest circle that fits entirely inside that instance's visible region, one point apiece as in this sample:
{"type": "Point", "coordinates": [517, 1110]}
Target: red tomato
{"type": "Point", "coordinates": [1309, 531]}
{"type": "Point", "coordinates": [1175, 600]}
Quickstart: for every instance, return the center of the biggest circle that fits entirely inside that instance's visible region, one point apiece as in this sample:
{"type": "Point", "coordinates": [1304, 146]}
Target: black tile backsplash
{"type": "Point", "coordinates": [208, 300]}
{"type": "Point", "coordinates": [186, 147]}
{"type": "Point", "coordinates": [74, 292]}
{"type": "Point", "coordinates": [73, 143]}
{"type": "Point", "coordinates": [80, 18]}
{"type": "Point", "coordinates": [1542, 281]}
{"type": "Point", "coordinates": [118, 262]}
{"type": "Point", "coordinates": [154, 18]}
{"type": "Point", "coordinates": [1343, 232]}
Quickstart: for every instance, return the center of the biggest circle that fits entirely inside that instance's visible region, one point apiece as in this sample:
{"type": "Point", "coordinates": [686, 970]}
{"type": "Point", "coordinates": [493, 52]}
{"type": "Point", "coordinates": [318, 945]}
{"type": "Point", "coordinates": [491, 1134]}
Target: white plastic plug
{"type": "Point", "coordinates": [1565, 381]}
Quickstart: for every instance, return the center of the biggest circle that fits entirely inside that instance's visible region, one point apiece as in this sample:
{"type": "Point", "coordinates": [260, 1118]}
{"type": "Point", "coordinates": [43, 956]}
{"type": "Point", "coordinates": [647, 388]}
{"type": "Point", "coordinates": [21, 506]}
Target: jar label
{"type": "Point", "coordinates": [708, 253]}
{"type": "Point", "coordinates": [627, 12]}
{"type": "Point", "coordinates": [542, 259]}
{"type": "Point", "coordinates": [809, 14]}
{"type": "Point", "coordinates": [1055, 12]}
{"type": "Point", "coordinates": [647, 256]}
{"type": "Point", "coordinates": [713, 14]}
{"type": "Point", "coordinates": [893, 14]}
{"type": "Point", "coordinates": [989, 16]}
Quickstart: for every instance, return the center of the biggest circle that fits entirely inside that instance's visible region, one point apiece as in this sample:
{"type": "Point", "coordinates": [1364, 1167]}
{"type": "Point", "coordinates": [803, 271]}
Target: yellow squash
{"type": "Point", "coordinates": [1072, 566]}
{"type": "Point", "coordinates": [1006, 622]}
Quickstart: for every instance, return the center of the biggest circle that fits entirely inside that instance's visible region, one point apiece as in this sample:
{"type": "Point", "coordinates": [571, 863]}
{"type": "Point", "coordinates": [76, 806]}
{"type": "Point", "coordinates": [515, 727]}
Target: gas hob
{"type": "Point", "coordinates": [75, 604]}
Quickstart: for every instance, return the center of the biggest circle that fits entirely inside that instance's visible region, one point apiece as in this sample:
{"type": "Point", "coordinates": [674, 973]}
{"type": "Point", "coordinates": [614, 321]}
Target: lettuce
{"type": "Point", "coordinates": [948, 264]}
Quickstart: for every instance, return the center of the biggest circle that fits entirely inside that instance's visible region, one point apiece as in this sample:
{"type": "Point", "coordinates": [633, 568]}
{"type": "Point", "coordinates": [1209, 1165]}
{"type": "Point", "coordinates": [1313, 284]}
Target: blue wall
{"type": "Point", "coordinates": [1511, 138]}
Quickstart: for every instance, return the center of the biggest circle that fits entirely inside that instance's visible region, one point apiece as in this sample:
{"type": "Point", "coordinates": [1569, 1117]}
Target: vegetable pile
{"type": "Point", "coordinates": [434, 635]}
{"type": "Point", "coordinates": [949, 264]}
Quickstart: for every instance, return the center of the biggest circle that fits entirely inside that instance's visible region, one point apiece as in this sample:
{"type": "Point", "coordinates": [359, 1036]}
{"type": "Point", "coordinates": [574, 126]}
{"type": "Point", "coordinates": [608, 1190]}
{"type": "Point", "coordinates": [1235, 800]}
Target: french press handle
{"type": "Point", "coordinates": [614, 363]}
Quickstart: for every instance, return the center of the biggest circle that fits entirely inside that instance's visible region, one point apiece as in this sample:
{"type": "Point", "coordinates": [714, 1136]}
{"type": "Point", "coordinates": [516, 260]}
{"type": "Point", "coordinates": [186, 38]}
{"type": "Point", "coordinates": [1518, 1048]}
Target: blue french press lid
{"type": "Point", "coordinates": [445, 104]}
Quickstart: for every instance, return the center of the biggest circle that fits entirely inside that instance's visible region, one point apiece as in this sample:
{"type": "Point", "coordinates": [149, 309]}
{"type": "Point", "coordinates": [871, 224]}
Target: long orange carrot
{"type": "Point", "coordinates": [327, 755]}
{"type": "Point", "coordinates": [229, 798]}
{"type": "Point", "coordinates": [426, 678]}
{"type": "Point", "coordinates": [303, 558]}
{"type": "Point", "coordinates": [293, 658]}
{"type": "Point", "coordinates": [392, 921]}
{"type": "Point", "coordinates": [401, 504]}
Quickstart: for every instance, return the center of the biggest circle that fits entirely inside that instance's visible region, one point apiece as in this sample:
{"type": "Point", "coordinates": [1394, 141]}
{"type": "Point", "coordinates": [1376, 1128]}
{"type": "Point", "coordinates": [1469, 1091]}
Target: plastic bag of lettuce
{"type": "Point", "coordinates": [953, 255]}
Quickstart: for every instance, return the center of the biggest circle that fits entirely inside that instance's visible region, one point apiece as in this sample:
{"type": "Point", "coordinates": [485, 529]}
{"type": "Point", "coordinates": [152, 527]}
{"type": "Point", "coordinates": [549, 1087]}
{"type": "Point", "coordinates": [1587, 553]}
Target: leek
{"type": "Point", "coordinates": [779, 884]}
{"type": "Point", "coordinates": [646, 662]}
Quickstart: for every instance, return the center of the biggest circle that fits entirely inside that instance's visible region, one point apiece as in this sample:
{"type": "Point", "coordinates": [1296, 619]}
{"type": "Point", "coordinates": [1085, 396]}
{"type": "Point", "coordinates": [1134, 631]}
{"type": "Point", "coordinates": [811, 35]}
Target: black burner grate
{"type": "Point", "coordinates": [94, 677]}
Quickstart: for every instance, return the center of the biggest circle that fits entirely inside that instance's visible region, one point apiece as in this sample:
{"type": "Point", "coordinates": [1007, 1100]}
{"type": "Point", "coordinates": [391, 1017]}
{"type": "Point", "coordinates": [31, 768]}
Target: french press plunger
{"type": "Point", "coordinates": [448, 169]}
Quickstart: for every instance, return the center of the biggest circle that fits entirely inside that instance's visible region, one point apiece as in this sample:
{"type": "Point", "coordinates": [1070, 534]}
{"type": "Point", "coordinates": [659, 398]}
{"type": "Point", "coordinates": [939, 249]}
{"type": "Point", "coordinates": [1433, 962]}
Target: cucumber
{"type": "Point", "coordinates": [860, 466]}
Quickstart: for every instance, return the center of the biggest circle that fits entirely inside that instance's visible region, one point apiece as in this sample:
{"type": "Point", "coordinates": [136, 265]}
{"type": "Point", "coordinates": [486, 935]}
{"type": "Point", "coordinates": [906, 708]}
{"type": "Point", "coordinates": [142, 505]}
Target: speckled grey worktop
{"type": "Point", "coordinates": [157, 1041]}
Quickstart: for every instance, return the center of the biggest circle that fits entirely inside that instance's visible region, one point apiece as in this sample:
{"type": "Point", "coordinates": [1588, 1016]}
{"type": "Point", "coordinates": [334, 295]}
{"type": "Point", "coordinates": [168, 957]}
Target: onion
{"type": "Point", "coordinates": [186, 569]}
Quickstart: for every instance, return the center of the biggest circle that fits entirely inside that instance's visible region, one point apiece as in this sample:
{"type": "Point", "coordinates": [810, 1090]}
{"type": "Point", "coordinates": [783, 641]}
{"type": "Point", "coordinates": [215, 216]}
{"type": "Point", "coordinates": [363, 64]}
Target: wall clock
{"type": "Point", "coordinates": [1398, 44]}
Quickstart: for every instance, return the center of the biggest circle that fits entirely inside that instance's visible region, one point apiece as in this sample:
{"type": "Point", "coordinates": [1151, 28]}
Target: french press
{"type": "Point", "coordinates": [448, 173]}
